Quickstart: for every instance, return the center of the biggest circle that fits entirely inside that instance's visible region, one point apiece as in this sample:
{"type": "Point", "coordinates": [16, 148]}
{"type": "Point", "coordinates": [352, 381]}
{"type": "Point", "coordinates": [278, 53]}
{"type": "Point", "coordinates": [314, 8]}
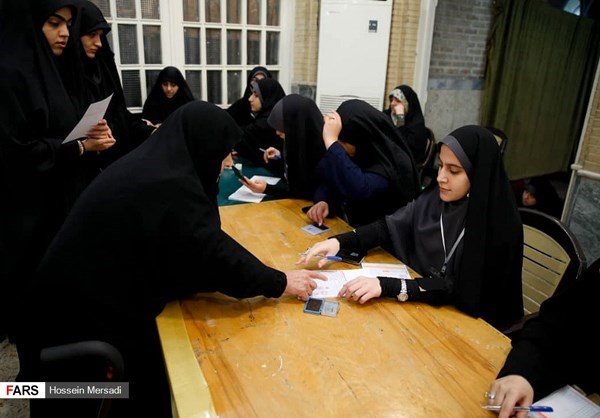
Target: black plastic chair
{"type": "Point", "coordinates": [86, 361]}
{"type": "Point", "coordinates": [427, 168]}
{"type": "Point", "coordinates": [552, 258]}
{"type": "Point", "coordinates": [500, 136]}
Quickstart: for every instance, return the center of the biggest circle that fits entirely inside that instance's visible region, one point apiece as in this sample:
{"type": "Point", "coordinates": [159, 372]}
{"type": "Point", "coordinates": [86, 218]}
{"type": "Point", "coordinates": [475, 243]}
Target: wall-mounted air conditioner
{"type": "Point", "coordinates": [354, 37]}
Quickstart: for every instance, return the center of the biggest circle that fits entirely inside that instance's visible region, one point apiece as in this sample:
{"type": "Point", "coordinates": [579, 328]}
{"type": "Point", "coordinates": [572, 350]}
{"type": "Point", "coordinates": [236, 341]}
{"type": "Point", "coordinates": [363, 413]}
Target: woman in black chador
{"type": "Point", "coordinates": [101, 79]}
{"type": "Point", "coordinates": [170, 91]}
{"type": "Point", "coordinates": [407, 116]}
{"type": "Point", "coordinates": [40, 175]}
{"type": "Point", "coordinates": [142, 234]}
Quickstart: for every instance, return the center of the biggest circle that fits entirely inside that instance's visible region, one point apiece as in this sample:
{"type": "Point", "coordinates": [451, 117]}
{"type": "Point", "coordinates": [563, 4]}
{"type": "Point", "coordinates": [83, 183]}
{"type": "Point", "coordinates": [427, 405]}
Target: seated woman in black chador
{"type": "Point", "coordinates": [407, 116]}
{"type": "Point", "coordinates": [299, 122]}
{"type": "Point", "coordinates": [240, 109]}
{"type": "Point", "coordinates": [258, 135]}
{"type": "Point", "coordinates": [463, 235]}
{"type": "Point", "coordinates": [367, 171]}
{"type": "Point", "coordinates": [170, 91]}
{"type": "Point", "coordinates": [553, 349]}
{"type": "Point", "coordinates": [540, 194]}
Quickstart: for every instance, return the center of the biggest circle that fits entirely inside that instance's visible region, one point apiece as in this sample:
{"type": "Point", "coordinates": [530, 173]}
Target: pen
{"type": "Point", "coordinates": [276, 156]}
{"type": "Point", "coordinates": [532, 408]}
{"type": "Point", "coordinates": [328, 257]}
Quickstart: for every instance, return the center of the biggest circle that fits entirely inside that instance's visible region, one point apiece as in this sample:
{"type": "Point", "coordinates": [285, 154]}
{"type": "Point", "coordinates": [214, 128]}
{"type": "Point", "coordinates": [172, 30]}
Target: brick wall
{"type": "Point", "coordinates": [306, 47]}
{"type": "Point", "coordinates": [459, 38]}
{"type": "Point", "coordinates": [403, 44]}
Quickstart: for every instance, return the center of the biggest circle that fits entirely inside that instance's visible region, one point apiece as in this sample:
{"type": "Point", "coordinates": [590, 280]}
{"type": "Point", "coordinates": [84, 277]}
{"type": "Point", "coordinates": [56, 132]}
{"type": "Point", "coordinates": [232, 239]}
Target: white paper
{"type": "Point", "coordinates": [398, 271]}
{"type": "Point", "coordinates": [93, 114]}
{"type": "Point", "coordinates": [335, 280]}
{"type": "Point", "coordinates": [244, 194]}
{"type": "Point", "coordinates": [567, 403]}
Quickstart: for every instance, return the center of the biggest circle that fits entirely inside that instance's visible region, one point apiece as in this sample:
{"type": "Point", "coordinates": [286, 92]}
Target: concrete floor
{"type": "Point", "coordinates": [9, 367]}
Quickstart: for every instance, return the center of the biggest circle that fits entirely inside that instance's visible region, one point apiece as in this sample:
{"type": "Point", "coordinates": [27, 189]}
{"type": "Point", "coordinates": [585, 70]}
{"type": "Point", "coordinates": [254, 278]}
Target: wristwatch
{"type": "Point", "coordinates": [403, 295]}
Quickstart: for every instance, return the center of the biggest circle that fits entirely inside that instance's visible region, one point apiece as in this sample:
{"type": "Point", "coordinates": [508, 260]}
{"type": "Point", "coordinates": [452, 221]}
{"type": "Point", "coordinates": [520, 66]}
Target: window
{"type": "Point", "coordinates": [215, 43]}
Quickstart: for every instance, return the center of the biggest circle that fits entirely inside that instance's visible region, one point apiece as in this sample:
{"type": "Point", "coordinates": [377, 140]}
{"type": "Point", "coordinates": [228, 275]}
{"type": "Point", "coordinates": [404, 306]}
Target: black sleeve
{"type": "Point", "coordinates": [433, 291]}
{"type": "Point", "coordinates": [279, 190]}
{"type": "Point", "coordinates": [366, 237]}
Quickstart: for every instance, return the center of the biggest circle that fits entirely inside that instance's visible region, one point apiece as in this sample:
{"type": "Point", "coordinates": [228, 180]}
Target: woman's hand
{"type": "Point", "coordinates": [508, 392]}
{"type": "Point", "coordinates": [99, 137]}
{"type": "Point", "coordinates": [324, 248]}
{"type": "Point", "coordinates": [301, 283]}
{"type": "Point", "coordinates": [331, 128]}
{"type": "Point", "coordinates": [361, 289]}
{"type": "Point", "coordinates": [257, 186]}
{"type": "Point", "coordinates": [318, 212]}
{"type": "Point", "coordinates": [398, 109]}
{"type": "Point", "coordinates": [271, 153]}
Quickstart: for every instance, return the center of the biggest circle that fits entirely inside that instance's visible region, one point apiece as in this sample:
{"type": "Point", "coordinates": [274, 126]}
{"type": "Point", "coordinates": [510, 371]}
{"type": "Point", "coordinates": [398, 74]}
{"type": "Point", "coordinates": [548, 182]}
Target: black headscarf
{"type": "Point", "coordinates": [269, 92]}
{"type": "Point", "coordinates": [157, 106]}
{"type": "Point", "coordinates": [413, 130]}
{"type": "Point", "coordinates": [547, 199]}
{"type": "Point", "coordinates": [259, 134]}
{"type": "Point", "coordinates": [379, 148]}
{"type": "Point", "coordinates": [240, 109]}
{"type": "Point", "coordinates": [489, 281]}
{"type": "Point", "coordinates": [302, 122]}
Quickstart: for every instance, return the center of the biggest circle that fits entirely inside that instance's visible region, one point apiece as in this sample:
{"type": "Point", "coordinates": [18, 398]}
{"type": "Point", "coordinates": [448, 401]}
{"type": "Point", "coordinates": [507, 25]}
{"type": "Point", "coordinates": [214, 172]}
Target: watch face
{"type": "Point", "coordinates": [403, 297]}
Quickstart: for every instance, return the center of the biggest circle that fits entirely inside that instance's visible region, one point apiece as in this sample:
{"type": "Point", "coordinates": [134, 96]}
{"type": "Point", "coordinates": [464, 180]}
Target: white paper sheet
{"type": "Point", "coordinates": [335, 280]}
{"type": "Point", "coordinates": [244, 194]}
{"type": "Point", "coordinates": [93, 114]}
{"type": "Point", "coordinates": [398, 271]}
{"type": "Point", "coordinates": [568, 403]}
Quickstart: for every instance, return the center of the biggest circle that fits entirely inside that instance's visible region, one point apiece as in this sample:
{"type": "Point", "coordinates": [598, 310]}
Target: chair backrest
{"type": "Point", "coordinates": [426, 168]}
{"type": "Point", "coordinates": [500, 136]}
{"type": "Point", "coordinates": [552, 257]}
{"type": "Point", "coordinates": [85, 361]}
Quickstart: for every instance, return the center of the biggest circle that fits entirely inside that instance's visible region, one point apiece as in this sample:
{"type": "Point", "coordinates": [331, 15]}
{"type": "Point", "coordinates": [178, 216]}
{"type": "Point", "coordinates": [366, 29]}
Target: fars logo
{"type": "Point", "coordinates": [22, 390]}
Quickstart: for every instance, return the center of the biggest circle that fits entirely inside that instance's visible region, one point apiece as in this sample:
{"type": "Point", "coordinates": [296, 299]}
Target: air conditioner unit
{"type": "Point", "coordinates": [354, 38]}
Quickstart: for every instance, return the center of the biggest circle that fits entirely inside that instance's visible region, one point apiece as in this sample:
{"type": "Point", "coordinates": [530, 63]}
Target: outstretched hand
{"type": "Point", "coordinates": [301, 283]}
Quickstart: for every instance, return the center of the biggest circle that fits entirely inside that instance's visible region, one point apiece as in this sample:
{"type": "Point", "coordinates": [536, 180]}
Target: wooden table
{"type": "Point", "coordinates": [267, 358]}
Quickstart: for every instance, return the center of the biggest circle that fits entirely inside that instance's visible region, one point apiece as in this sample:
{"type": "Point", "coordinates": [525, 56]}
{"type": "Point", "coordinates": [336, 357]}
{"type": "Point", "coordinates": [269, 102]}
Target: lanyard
{"type": "Point", "coordinates": [447, 257]}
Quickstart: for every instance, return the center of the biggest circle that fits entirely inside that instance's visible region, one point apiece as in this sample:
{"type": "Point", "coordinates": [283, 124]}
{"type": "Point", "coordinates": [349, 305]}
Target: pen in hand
{"type": "Point", "coordinates": [532, 408]}
{"type": "Point", "coordinates": [276, 156]}
{"type": "Point", "coordinates": [328, 257]}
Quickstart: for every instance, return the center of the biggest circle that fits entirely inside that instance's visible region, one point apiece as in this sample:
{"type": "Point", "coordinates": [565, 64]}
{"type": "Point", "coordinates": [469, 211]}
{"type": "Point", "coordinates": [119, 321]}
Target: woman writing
{"type": "Point", "coordinates": [299, 122]}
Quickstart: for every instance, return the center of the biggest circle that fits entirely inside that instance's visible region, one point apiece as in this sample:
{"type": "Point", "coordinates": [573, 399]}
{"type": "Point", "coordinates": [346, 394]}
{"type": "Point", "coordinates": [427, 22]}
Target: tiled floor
{"type": "Point", "coordinates": [9, 367]}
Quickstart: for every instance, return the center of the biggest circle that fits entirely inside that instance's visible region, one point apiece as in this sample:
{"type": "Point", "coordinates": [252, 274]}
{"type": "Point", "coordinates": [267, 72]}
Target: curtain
{"type": "Point", "coordinates": [539, 75]}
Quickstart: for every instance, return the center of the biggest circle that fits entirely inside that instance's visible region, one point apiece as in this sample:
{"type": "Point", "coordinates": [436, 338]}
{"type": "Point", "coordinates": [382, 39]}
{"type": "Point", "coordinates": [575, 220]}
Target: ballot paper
{"type": "Point", "coordinates": [93, 114]}
{"type": "Point", "coordinates": [244, 194]}
{"type": "Point", "coordinates": [568, 402]}
{"type": "Point", "coordinates": [338, 278]}
{"type": "Point", "coordinates": [335, 280]}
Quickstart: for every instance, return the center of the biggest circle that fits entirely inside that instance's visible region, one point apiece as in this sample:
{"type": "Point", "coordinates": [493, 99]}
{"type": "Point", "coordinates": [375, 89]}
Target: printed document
{"type": "Point", "coordinates": [93, 114]}
{"type": "Point", "coordinates": [338, 278]}
{"type": "Point", "coordinates": [568, 402]}
{"type": "Point", "coordinates": [244, 194]}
